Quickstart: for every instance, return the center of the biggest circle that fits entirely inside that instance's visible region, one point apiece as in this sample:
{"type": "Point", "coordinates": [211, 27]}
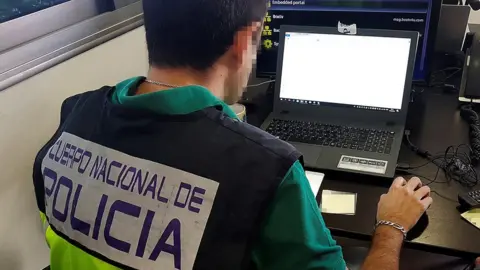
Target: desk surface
{"type": "Point", "coordinates": [446, 232]}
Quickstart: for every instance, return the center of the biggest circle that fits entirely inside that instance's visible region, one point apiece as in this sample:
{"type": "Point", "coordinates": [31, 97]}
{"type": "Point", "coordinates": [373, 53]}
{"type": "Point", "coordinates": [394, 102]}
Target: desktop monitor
{"type": "Point", "coordinates": [410, 15]}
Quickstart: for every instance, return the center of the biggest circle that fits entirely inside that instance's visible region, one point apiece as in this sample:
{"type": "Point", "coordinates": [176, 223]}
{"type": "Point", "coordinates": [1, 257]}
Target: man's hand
{"type": "Point", "coordinates": [404, 203]}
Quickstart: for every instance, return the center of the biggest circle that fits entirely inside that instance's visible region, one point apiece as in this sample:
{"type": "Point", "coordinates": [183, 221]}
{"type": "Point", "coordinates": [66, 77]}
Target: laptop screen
{"type": "Point", "coordinates": [364, 72]}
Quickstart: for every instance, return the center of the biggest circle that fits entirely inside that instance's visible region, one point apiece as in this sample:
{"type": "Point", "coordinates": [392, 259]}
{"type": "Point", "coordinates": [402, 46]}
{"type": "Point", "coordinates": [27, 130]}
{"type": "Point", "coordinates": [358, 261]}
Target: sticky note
{"type": "Point", "coordinates": [315, 179]}
{"type": "Point", "coordinates": [473, 216]}
{"type": "Point", "coordinates": [336, 202]}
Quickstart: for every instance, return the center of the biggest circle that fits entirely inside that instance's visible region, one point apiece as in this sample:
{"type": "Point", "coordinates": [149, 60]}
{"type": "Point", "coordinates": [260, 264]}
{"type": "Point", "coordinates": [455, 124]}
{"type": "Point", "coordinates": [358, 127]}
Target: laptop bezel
{"type": "Point", "coordinates": [350, 112]}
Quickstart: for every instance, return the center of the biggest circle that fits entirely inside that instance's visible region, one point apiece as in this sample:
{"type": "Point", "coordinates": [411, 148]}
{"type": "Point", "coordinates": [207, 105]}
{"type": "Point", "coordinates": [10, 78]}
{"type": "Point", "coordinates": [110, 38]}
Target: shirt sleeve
{"type": "Point", "coordinates": [294, 235]}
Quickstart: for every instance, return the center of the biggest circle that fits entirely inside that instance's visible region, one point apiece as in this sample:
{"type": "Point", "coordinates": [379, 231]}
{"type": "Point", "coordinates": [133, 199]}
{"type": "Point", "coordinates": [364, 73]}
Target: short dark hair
{"type": "Point", "coordinates": [195, 33]}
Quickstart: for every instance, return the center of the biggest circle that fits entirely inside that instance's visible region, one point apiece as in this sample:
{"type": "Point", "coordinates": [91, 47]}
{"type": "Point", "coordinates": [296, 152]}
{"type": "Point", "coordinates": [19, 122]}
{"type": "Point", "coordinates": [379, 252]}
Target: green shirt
{"type": "Point", "coordinates": [293, 235]}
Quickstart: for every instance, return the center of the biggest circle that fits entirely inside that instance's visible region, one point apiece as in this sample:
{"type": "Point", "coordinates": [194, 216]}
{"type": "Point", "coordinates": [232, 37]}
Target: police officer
{"type": "Point", "coordinates": [158, 173]}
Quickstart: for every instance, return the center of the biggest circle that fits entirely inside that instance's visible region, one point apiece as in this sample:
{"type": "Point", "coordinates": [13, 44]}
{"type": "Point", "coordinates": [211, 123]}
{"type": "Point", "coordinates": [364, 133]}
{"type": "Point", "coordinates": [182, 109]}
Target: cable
{"type": "Point", "coordinates": [446, 69]}
{"type": "Point", "coordinates": [456, 164]}
{"type": "Point", "coordinates": [444, 197]}
{"type": "Point", "coordinates": [431, 181]}
{"type": "Point", "coordinates": [472, 118]}
{"type": "Point", "coordinates": [425, 164]}
{"type": "Point", "coordinates": [434, 180]}
{"type": "Point", "coordinates": [442, 81]}
{"type": "Point", "coordinates": [418, 151]}
{"type": "Point", "coordinates": [259, 84]}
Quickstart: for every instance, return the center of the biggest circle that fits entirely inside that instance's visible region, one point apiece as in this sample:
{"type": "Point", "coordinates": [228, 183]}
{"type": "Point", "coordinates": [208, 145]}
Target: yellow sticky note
{"type": "Point", "coordinates": [473, 216]}
{"type": "Point", "coordinates": [335, 202]}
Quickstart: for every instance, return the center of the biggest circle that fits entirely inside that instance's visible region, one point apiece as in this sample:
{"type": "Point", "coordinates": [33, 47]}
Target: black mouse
{"type": "Point", "coordinates": [419, 228]}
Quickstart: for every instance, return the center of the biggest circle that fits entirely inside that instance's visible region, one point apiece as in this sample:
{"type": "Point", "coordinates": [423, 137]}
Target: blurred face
{"type": "Point", "coordinates": [243, 57]}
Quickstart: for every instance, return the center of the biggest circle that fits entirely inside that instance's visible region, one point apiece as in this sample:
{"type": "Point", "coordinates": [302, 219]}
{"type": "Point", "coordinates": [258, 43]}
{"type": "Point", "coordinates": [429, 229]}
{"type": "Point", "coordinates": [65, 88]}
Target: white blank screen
{"type": "Point", "coordinates": [345, 69]}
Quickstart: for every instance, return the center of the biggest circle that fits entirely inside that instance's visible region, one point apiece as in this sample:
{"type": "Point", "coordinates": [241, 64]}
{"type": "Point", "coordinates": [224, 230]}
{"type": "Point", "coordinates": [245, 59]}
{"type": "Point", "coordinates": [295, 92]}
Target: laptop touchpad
{"type": "Point", "coordinates": [311, 153]}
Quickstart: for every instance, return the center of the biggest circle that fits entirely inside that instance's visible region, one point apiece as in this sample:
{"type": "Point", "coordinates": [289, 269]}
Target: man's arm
{"type": "Point", "coordinates": [385, 250]}
{"type": "Point", "coordinates": [403, 205]}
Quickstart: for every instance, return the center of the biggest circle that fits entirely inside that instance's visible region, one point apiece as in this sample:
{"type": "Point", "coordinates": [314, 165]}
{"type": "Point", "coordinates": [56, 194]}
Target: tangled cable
{"type": "Point", "coordinates": [455, 162]}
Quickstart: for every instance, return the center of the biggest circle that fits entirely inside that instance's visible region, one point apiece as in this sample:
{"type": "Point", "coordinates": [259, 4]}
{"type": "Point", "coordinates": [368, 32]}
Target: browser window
{"type": "Point", "coordinates": [344, 70]}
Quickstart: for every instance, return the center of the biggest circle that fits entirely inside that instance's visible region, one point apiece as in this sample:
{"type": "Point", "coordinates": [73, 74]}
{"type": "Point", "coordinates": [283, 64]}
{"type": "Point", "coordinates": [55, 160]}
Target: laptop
{"type": "Point", "coordinates": [342, 99]}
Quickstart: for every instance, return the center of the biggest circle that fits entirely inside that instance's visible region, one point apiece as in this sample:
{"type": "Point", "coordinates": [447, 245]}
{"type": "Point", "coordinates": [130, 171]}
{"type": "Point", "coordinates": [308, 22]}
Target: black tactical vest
{"type": "Point", "coordinates": [142, 190]}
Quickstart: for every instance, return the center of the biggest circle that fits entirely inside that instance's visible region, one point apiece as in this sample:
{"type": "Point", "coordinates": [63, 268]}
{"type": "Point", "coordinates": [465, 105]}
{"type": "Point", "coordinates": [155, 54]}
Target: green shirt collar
{"type": "Point", "coordinates": [181, 100]}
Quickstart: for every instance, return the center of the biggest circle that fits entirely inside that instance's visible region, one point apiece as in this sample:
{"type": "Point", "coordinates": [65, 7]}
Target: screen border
{"type": "Point", "coordinates": [320, 110]}
{"type": "Point", "coordinates": [436, 6]}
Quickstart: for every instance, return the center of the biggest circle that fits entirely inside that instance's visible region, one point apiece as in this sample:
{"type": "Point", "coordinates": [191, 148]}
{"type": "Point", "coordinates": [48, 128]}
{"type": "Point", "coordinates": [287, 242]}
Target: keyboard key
{"type": "Point", "coordinates": [361, 139]}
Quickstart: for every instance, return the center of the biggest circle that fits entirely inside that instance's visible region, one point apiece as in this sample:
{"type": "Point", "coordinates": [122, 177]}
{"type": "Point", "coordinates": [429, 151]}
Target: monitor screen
{"type": "Point", "coordinates": [371, 75]}
{"type": "Point", "coordinates": [411, 15]}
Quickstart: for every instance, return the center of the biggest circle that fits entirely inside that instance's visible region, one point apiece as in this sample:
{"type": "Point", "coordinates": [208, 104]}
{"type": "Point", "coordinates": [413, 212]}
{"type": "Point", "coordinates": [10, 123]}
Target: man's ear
{"type": "Point", "coordinates": [246, 39]}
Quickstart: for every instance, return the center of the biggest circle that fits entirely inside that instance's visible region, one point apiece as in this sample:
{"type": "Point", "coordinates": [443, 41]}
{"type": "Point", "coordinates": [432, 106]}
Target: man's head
{"type": "Point", "coordinates": [206, 36]}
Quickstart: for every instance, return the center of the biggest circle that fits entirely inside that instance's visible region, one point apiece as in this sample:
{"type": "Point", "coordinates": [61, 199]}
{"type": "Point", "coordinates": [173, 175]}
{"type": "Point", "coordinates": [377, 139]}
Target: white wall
{"type": "Point", "coordinates": [474, 17]}
{"type": "Point", "coordinates": [29, 114]}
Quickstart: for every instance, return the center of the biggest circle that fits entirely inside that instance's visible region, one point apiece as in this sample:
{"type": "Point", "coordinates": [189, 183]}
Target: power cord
{"type": "Point", "coordinates": [444, 197]}
{"type": "Point", "coordinates": [415, 149]}
{"type": "Point", "coordinates": [259, 84]}
{"type": "Point", "coordinates": [444, 77]}
{"type": "Point", "coordinates": [455, 163]}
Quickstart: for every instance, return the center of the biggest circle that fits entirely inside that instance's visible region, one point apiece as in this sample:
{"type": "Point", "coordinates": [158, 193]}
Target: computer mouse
{"type": "Point", "coordinates": [419, 228]}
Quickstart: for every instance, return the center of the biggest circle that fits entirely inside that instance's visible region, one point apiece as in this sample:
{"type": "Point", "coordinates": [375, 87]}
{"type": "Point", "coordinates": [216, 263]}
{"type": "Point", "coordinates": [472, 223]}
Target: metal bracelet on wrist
{"type": "Point", "coordinates": [391, 224]}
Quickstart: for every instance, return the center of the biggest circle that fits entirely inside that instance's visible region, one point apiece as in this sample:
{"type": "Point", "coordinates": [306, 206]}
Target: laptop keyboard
{"type": "Point", "coordinates": [362, 139]}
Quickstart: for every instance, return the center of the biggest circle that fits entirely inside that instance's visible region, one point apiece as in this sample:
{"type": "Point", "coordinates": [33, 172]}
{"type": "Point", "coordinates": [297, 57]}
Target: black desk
{"type": "Point", "coordinates": [446, 233]}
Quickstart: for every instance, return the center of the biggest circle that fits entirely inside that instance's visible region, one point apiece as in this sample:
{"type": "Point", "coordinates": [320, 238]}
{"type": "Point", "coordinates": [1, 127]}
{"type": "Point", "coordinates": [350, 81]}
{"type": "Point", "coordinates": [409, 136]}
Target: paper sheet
{"type": "Point", "coordinates": [473, 216]}
{"type": "Point", "coordinates": [315, 179]}
{"type": "Point", "coordinates": [336, 202]}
